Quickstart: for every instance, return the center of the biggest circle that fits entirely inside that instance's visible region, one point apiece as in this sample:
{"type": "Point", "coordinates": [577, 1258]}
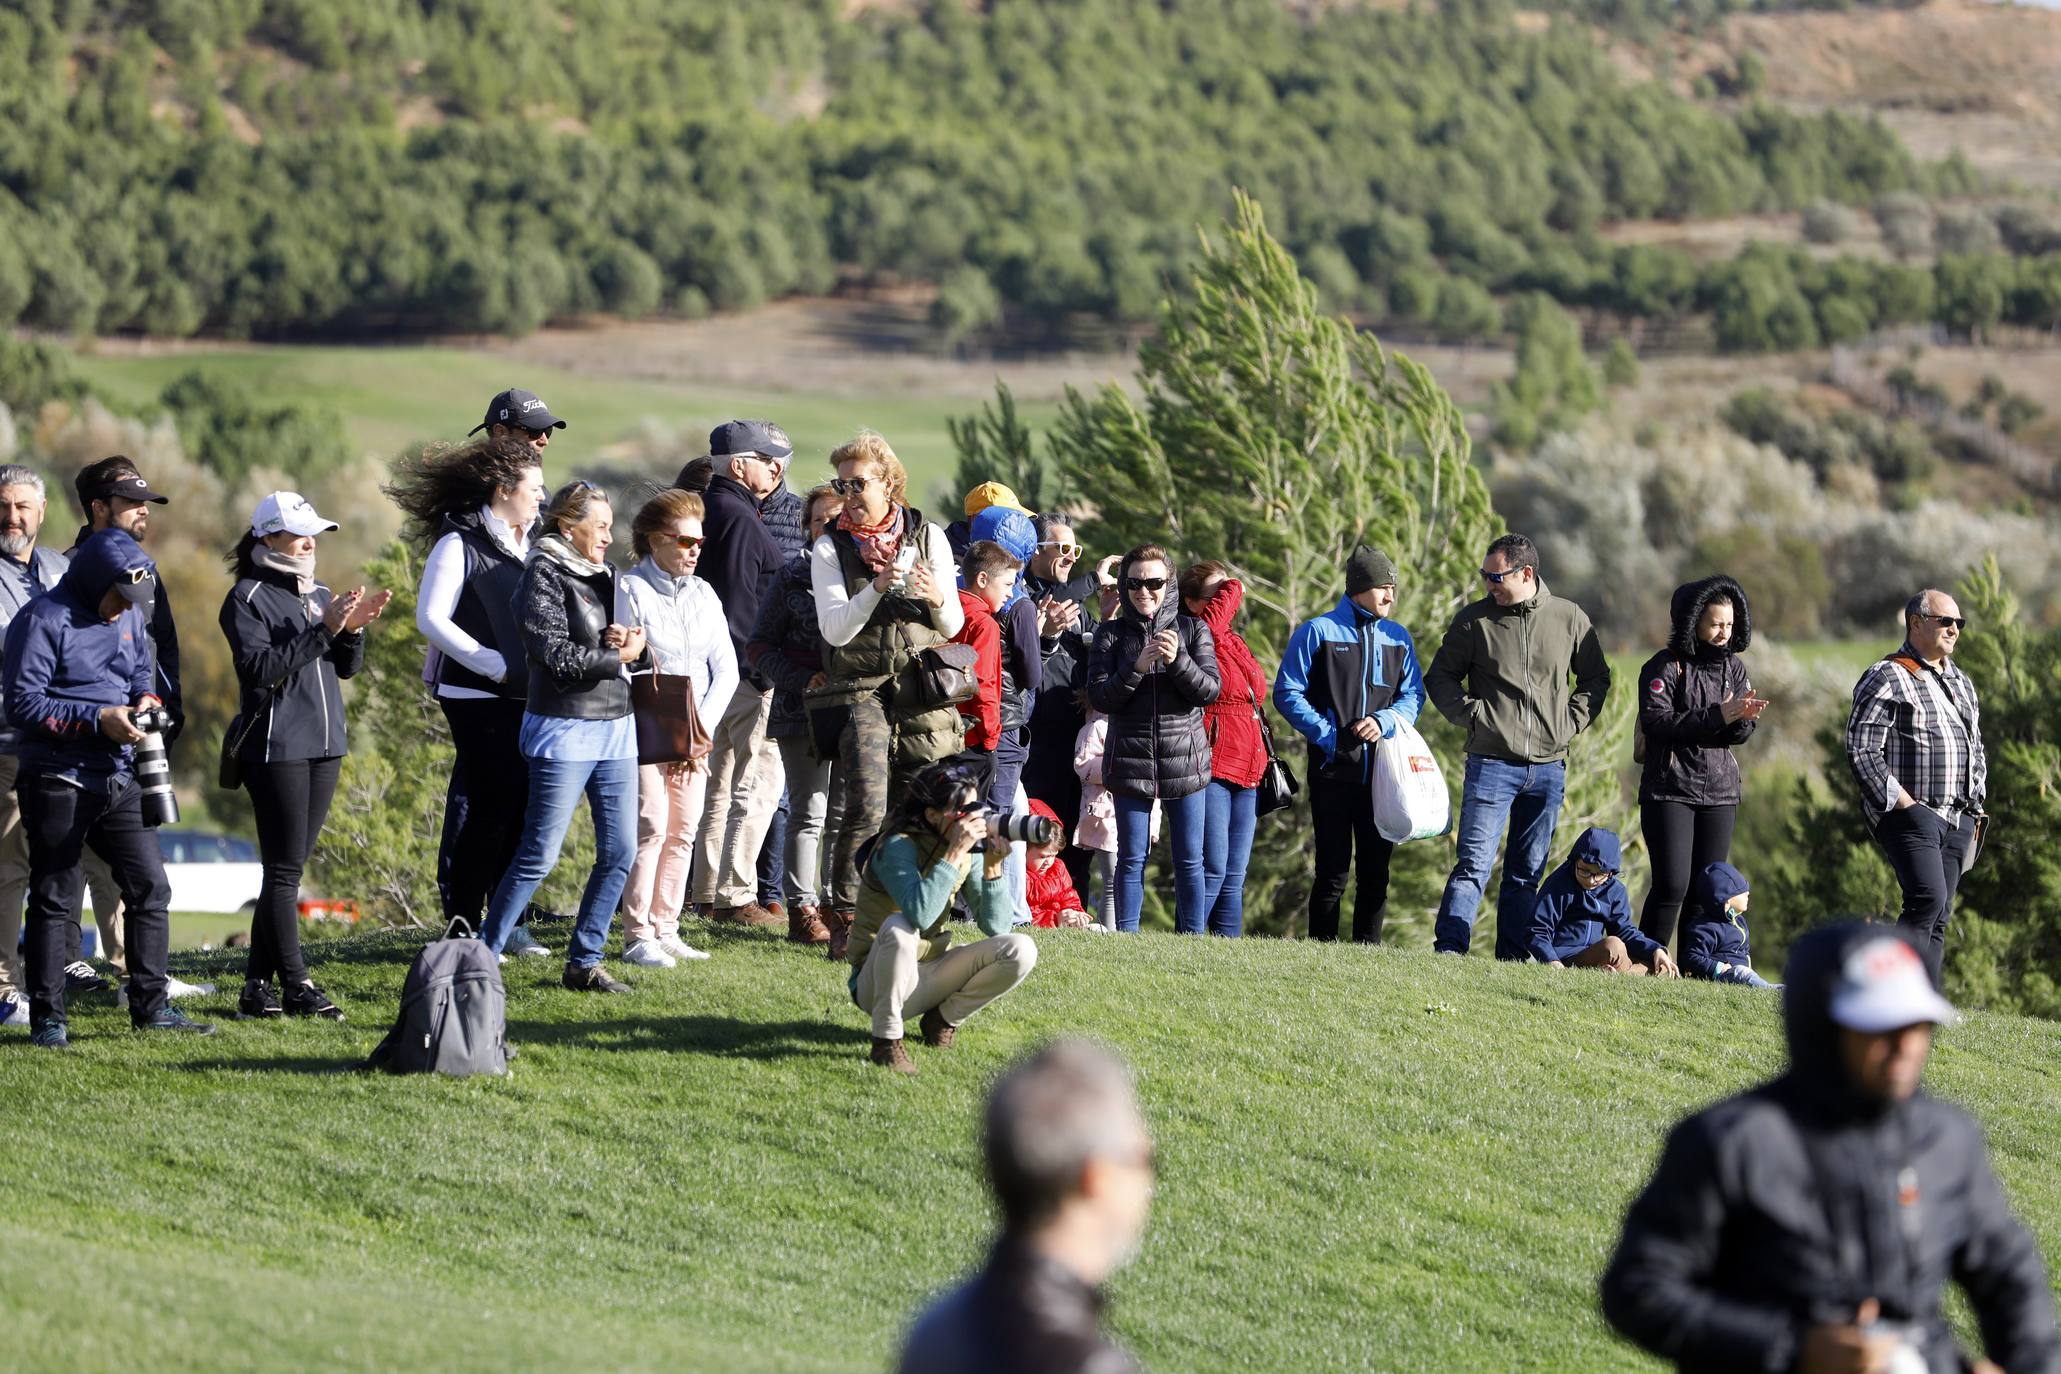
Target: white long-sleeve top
{"type": "Point", "coordinates": [841, 615]}
{"type": "Point", "coordinates": [436, 601]}
{"type": "Point", "coordinates": [684, 623]}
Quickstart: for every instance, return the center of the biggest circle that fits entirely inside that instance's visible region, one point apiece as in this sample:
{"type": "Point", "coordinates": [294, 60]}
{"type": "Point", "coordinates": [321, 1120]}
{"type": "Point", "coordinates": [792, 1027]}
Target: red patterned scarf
{"type": "Point", "coordinates": [878, 544]}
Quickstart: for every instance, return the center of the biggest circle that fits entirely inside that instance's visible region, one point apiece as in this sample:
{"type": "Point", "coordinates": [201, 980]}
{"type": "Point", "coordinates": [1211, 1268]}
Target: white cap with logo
{"type": "Point", "coordinates": [1883, 986]}
{"type": "Point", "coordinates": [288, 512]}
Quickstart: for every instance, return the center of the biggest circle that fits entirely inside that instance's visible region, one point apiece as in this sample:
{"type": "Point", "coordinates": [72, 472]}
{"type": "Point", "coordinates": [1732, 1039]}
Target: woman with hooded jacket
{"type": "Point", "coordinates": [1237, 745]}
{"type": "Point", "coordinates": [1154, 670]}
{"type": "Point", "coordinates": [1695, 704]}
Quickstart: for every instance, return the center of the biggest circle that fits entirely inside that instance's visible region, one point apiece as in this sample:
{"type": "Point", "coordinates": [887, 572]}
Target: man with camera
{"type": "Point", "coordinates": [77, 682]}
{"type": "Point", "coordinates": [1811, 1223]}
{"type": "Point", "coordinates": [900, 947]}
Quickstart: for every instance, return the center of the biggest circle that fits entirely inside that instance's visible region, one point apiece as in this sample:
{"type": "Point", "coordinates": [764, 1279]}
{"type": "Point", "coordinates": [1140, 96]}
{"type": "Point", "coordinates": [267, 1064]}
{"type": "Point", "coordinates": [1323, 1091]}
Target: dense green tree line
{"type": "Point", "coordinates": [464, 166]}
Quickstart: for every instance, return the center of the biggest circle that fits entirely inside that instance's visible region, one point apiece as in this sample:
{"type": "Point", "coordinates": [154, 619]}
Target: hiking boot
{"type": "Point", "coordinates": [938, 1033]}
{"type": "Point", "coordinates": [750, 914]}
{"type": "Point", "coordinates": [172, 1019]}
{"type": "Point", "coordinates": [79, 977]}
{"type": "Point", "coordinates": [257, 1002]}
{"type": "Point", "coordinates": [840, 923]}
{"type": "Point", "coordinates": [305, 999]}
{"type": "Point", "coordinates": [51, 1035]}
{"type": "Point", "coordinates": [892, 1054]}
{"type": "Point", "coordinates": [593, 979]}
{"type": "Point", "coordinates": [805, 927]}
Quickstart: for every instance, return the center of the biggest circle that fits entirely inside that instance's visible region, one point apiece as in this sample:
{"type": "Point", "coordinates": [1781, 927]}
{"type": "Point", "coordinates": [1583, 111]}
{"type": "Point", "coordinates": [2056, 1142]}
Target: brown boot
{"type": "Point", "coordinates": [938, 1033]}
{"type": "Point", "coordinates": [805, 927]}
{"type": "Point", "coordinates": [892, 1054]}
{"type": "Point", "coordinates": [840, 923]}
{"type": "Point", "coordinates": [750, 914]}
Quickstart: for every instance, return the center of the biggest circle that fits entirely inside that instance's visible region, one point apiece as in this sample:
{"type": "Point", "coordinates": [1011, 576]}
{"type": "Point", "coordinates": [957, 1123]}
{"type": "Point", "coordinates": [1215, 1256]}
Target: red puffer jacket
{"type": "Point", "coordinates": [1238, 750]}
{"type": "Point", "coordinates": [1049, 891]}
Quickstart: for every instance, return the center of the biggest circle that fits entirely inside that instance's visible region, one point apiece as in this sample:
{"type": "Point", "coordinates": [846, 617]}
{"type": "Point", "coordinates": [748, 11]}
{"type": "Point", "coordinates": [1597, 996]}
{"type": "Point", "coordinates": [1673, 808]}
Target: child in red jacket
{"type": "Point", "coordinates": [1049, 887]}
{"type": "Point", "coordinates": [986, 577]}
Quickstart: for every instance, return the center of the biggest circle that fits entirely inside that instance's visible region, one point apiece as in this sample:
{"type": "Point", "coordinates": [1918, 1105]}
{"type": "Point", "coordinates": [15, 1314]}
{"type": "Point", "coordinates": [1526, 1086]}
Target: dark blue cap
{"type": "Point", "coordinates": [518, 407]}
{"type": "Point", "coordinates": [749, 436]}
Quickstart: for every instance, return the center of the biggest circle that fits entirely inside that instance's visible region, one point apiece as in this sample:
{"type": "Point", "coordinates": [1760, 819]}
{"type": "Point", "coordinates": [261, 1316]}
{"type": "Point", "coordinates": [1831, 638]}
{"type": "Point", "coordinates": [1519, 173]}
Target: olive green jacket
{"type": "Point", "coordinates": [1502, 676]}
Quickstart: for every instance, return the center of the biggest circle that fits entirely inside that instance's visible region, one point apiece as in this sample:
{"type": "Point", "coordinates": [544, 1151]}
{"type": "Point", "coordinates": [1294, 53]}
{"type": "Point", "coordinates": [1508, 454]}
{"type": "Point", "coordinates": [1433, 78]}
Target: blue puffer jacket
{"type": "Point", "coordinates": [1709, 936]}
{"type": "Point", "coordinates": [65, 664]}
{"type": "Point", "coordinates": [1570, 918]}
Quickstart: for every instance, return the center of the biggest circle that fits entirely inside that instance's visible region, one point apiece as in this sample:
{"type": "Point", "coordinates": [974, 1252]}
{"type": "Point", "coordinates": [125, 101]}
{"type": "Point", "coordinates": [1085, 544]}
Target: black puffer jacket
{"type": "Point", "coordinates": [288, 665]}
{"type": "Point", "coordinates": [1022, 1314]}
{"type": "Point", "coordinates": [1681, 694]}
{"type": "Point", "coordinates": [563, 614]}
{"type": "Point", "coordinates": [1158, 745]}
{"type": "Point", "coordinates": [1732, 1252]}
{"type": "Point", "coordinates": [781, 513]}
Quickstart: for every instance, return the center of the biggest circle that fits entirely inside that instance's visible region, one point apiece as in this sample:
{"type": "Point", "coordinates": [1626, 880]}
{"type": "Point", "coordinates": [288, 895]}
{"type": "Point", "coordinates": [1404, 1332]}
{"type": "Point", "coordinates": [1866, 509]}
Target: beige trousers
{"type": "Point", "coordinates": [669, 805]}
{"type": "Point", "coordinates": [893, 985]}
{"type": "Point", "coordinates": [744, 781]}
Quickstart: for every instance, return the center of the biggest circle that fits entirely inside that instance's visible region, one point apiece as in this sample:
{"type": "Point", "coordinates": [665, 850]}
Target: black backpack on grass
{"type": "Point", "coordinates": [453, 1013]}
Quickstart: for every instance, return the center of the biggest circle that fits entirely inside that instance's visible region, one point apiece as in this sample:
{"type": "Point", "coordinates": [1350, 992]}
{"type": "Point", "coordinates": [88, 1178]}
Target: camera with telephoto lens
{"type": "Point", "coordinates": [154, 767]}
{"type": "Point", "coordinates": [1004, 831]}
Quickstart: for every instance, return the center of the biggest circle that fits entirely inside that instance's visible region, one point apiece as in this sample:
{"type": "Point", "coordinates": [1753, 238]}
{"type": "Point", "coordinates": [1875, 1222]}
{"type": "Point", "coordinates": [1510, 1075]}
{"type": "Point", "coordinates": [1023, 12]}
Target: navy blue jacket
{"type": "Point", "coordinates": [782, 515]}
{"type": "Point", "coordinates": [1709, 936]}
{"type": "Point", "coordinates": [1570, 918]}
{"type": "Point", "coordinates": [65, 664]}
{"type": "Point", "coordinates": [1341, 666]}
{"type": "Point", "coordinates": [21, 583]}
{"type": "Point", "coordinates": [738, 558]}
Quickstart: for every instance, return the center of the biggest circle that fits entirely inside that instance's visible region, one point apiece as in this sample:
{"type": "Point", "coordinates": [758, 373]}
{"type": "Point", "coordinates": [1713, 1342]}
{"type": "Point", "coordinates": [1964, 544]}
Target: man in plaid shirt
{"type": "Point", "coordinates": [1915, 742]}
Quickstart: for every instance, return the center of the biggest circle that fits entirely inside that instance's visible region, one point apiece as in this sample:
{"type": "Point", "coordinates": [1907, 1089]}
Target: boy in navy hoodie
{"type": "Point", "coordinates": [1584, 915]}
{"type": "Point", "coordinates": [78, 668]}
{"type": "Point", "coordinates": [1714, 941]}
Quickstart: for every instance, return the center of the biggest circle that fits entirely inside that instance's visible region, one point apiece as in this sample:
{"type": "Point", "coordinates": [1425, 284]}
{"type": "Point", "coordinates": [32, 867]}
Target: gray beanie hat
{"type": "Point", "coordinates": [1368, 567]}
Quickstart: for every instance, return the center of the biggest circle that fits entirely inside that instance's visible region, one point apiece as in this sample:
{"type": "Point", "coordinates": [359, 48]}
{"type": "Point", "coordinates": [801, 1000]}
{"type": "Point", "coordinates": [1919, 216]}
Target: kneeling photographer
{"type": "Point", "coordinates": [78, 687]}
{"type": "Point", "coordinates": [903, 962]}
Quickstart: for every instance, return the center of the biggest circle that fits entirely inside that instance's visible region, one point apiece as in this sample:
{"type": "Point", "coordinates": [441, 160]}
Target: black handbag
{"type": "Point", "coordinates": [229, 768]}
{"type": "Point", "coordinates": [1277, 786]}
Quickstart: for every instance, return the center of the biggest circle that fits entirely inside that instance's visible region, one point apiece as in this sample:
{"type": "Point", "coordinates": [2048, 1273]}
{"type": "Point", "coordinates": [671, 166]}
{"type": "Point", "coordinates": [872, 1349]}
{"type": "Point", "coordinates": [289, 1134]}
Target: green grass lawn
{"type": "Point", "coordinates": [1371, 1159]}
{"type": "Point", "coordinates": [389, 398]}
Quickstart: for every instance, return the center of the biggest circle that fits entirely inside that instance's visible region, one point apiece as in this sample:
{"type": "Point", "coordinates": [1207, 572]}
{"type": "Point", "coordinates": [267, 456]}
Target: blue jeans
{"type": "Point", "coordinates": [1527, 797]}
{"type": "Point", "coordinates": [1228, 816]}
{"type": "Point", "coordinates": [1185, 817]}
{"type": "Point", "coordinates": [610, 786]}
{"type": "Point", "coordinates": [1744, 977]}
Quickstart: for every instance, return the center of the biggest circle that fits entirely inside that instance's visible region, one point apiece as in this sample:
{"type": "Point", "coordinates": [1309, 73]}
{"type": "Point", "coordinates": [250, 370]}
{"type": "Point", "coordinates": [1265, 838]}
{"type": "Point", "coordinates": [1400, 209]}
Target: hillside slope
{"type": "Point", "coordinates": [1370, 1159]}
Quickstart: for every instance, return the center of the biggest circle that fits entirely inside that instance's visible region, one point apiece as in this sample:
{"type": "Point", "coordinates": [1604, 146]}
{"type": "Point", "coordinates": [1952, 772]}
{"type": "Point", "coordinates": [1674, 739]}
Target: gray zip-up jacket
{"type": "Point", "coordinates": [45, 567]}
{"type": "Point", "coordinates": [1501, 675]}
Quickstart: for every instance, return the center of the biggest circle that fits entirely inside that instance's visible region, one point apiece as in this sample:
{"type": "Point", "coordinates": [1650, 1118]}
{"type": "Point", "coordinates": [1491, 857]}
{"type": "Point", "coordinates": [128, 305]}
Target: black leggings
{"type": "Point", "coordinates": [1681, 840]}
{"type": "Point", "coordinates": [291, 800]}
{"type": "Point", "coordinates": [484, 806]}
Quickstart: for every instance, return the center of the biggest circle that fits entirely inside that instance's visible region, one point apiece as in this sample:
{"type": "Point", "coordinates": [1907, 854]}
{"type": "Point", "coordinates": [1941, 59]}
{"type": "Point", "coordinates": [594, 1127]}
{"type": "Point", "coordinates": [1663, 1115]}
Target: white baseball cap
{"type": "Point", "coordinates": [288, 512]}
{"type": "Point", "coordinates": [1883, 986]}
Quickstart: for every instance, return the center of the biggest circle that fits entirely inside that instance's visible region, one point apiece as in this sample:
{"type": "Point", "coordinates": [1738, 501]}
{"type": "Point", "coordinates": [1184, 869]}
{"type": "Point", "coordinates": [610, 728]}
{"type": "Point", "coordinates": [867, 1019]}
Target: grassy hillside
{"type": "Point", "coordinates": [1371, 1159]}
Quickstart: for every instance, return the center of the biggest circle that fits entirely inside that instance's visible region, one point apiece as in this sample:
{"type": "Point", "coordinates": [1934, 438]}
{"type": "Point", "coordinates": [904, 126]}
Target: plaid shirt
{"type": "Point", "coordinates": [1921, 731]}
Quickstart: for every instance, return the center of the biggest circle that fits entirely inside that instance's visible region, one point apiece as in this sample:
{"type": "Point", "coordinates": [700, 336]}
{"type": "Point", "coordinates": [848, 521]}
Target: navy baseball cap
{"type": "Point", "coordinates": [749, 436]}
{"type": "Point", "coordinates": [518, 407]}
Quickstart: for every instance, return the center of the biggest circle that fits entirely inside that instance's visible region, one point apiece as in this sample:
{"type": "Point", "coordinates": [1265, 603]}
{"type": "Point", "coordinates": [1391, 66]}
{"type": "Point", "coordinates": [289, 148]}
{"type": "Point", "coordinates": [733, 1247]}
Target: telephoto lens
{"type": "Point", "coordinates": [1024, 829]}
{"type": "Point", "coordinates": [154, 768]}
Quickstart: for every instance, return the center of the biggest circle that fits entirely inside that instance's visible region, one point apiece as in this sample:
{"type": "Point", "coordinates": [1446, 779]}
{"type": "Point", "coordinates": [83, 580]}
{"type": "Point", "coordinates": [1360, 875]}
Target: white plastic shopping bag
{"type": "Point", "coordinates": [1410, 800]}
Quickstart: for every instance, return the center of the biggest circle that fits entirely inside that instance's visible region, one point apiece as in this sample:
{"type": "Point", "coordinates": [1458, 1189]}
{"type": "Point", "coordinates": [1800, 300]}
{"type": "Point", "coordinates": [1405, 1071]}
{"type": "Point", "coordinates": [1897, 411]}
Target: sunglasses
{"type": "Point", "coordinates": [849, 486]}
{"type": "Point", "coordinates": [1957, 621]}
{"type": "Point", "coordinates": [687, 542]}
{"type": "Point", "coordinates": [1497, 578]}
{"type": "Point", "coordinates": [1145, 584]}
{"type": "Point", "coordinates": [1065, 550]}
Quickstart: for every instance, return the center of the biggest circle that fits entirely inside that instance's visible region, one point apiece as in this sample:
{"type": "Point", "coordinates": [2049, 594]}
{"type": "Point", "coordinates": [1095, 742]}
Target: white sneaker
{"type": "Point", "coordinates": [14, 1012]}
{"type": "Point", "coordinates": [176, 988]}
{"type": "Point", "coordinates": [500, 958]}
{"type": "Point", "coordinates": [524, 945]}
{"type": "Point", "coordinates": [647, 954]}
{"type": "Point", "coordinates": [680, 949]}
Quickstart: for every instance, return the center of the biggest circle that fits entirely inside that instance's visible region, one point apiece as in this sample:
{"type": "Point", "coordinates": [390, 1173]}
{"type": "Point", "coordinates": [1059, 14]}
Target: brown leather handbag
{"type": "Point", "coordinates": [669, 728]}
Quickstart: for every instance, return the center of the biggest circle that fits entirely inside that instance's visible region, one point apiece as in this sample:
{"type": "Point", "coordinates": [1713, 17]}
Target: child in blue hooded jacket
{"type": "Point", "coordinates": [1584, 915]}
{"type": "Point", "coordinates": [1714, 943]}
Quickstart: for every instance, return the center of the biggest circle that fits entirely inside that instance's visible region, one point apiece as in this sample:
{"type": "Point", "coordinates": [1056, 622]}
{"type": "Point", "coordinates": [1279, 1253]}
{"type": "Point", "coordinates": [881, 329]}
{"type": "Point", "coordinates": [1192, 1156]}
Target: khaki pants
{"type": "Point", "coordinates": [669, 807]}
{"type": "Point", "coordinates": [893, 986]}
{"type": "Point", "coordinates": [744, 780]}
{"type": "Point", "coordinates": [1610, 955]}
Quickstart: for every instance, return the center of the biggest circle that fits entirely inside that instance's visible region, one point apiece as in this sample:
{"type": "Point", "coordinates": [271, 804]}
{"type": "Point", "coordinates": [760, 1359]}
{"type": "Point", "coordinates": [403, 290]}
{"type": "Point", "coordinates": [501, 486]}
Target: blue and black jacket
{"type": "Point", "coordinates": [1343, 665]}
{"type": "Point", "coordinates": [1709, 936]}
{"type": "Point", "coordinates": [1570, 918]}
{"type": "Point", "coordinates": [66, 663]}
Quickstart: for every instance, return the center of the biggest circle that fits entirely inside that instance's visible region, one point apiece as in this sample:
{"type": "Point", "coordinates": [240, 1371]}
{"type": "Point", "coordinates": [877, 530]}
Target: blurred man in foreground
{"type": "Point", "coordinates": [1071, 1164]}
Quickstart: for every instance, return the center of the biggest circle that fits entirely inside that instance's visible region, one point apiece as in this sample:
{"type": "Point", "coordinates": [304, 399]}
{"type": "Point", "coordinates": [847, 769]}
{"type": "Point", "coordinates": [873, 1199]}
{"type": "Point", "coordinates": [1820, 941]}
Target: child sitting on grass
{"type": "Point", "coordinates": [1053, 898]}
{"type": "Point", "coordinates": [1584, 915]}
{"type": "Point", "coordinates": [1714, 943]}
